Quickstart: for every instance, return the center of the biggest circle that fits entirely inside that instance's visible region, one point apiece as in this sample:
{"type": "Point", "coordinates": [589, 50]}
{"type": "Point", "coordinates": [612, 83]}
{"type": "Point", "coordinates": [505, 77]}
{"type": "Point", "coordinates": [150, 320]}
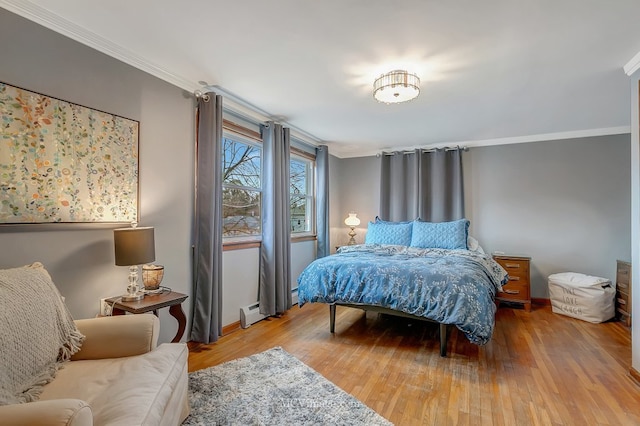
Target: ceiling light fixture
{"type": "Point", "coordinates": [396, 86]}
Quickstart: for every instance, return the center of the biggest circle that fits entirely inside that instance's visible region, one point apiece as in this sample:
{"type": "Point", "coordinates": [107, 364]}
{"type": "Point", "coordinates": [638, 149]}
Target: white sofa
{"type": "Point", "coordinates": [118, 377]}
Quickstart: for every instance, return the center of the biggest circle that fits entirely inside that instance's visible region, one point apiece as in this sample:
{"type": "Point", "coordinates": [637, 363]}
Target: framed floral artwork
{"type": "Point", "coordinates": [65, 163]}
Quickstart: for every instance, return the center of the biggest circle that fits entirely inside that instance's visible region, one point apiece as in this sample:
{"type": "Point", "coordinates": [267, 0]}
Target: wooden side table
{"type": "Point", "coordinates": [518, 288]}
{"type": "Point", "coordinates": [153, 302]}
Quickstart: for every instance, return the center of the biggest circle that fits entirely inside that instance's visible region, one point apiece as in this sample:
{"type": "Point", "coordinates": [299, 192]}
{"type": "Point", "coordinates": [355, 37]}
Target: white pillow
{"type": "Point", "coordinates": [473, 245]}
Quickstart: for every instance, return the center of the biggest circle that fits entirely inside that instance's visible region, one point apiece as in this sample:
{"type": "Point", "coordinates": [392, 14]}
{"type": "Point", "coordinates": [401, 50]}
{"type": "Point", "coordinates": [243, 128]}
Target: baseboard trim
{"type": "Point", "coordinates": [541, 301]}
{"type": "Point", "coordinates": [635, 375]}
{"type": "Point", "coordinates": [234, 326]}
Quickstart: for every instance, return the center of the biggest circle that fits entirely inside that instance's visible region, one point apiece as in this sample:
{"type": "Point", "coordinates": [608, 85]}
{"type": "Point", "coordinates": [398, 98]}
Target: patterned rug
{"type": "Point", "coordinates": [271, 388]}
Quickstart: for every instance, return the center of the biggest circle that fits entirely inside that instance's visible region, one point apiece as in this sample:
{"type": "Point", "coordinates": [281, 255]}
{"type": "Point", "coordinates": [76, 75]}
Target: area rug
{"type": "Point", "coordinates": [272, 388]}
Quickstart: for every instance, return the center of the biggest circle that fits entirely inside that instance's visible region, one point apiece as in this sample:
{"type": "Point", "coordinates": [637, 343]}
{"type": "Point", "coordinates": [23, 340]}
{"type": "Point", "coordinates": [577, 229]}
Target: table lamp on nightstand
{"type": "Point", "coordinates": [352, 221]}
{"type": "Point", "coordinates": [134, 246]}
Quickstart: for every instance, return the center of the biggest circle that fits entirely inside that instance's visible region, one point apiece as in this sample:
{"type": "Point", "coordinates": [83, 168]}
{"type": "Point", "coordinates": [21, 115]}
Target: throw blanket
{"type": "Point", "coordinates": [448, 286]}
{"type": "Point", "coordinates": [37, 333]}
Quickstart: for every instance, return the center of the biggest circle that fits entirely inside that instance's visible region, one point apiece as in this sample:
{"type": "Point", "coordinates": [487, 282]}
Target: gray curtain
{"type": "Point", "coordinates": [206, 324]}
{"type": "Point", "coordinates": [275, 251]}
{"type": "Point", "coordinates": [422, 184]}
{"type": "Point", "coordinates": [322, 200]}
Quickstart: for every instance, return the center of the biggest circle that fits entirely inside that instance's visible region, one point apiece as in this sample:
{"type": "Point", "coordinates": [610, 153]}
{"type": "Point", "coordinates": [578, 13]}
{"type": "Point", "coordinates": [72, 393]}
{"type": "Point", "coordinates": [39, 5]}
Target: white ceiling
{"type": "Point", "coordinates": [496, 71]}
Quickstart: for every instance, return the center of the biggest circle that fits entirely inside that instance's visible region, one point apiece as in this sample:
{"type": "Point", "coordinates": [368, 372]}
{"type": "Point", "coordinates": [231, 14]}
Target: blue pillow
{"type": "Point", "coordinates": [396, 233]}
{"type": "Point", "coordinates": [378, 220]}
{"type": "Point", "coordinates": [445, 235]}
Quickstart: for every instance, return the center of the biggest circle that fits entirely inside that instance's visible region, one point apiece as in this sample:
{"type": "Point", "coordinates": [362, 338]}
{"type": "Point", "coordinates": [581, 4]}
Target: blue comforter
{"type": "Point", "coordinates": [448, 286]}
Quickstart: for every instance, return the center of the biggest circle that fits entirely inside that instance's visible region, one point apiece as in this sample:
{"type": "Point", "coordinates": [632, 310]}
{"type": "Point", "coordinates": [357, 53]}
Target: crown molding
{"type": "Point", "coordinates": [247, 110]}
{"type": "Point", "coordinates": [633, 65]}
{"type": "Point", "coordinates": [54, 22]}
{"type": "Point", "coordinates": [607, 131]}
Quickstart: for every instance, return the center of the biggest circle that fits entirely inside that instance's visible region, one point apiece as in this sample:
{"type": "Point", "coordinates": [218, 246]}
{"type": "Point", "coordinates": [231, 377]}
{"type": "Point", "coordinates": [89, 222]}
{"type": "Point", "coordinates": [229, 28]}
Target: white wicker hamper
{"type": "Point", "coordinates": [582, 296]}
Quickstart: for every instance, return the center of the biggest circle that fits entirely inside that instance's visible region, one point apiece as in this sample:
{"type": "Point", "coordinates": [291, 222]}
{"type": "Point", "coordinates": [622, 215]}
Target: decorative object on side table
{"type": "Point", "coordinates": [133, 246]}
{"type": "Point", "coordinates": [352, 221]}
{"type": "Point", "coordinates": [518, 289]}
{"type": "Point", "coordinates": [152, 277]}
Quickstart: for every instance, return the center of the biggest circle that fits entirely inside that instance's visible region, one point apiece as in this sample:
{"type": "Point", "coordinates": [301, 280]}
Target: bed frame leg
{"type": "Point", "coordinates": [332, 318]}
{"type": "Point", "coordinates": [443, 340]}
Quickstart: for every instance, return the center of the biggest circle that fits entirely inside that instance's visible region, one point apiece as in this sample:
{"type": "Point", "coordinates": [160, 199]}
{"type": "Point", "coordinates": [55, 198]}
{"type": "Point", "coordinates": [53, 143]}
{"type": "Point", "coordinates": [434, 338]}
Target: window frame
{"type": "Point", "coordinates": [246, 136]}
{"type": "Point", "coordinates": [235, 131]}
{"type": "Point", "coordinates": [310, 196]}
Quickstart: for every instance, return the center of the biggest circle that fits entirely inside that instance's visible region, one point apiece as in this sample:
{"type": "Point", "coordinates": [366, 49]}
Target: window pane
{"type": "Point", "coordinates": [241, 163]}
{"type": "Point", "coordinates": [301, 198]}
{"type": "Point", "coordinates": [299, 219]}
{"type": "Point", "coordinates": [240, 212]}
{"type": "Point", "coordinates": [298, 178]}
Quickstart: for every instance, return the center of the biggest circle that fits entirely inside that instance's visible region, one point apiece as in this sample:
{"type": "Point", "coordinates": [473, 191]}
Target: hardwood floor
{"type": "Point", "coordinates": [539, 369]}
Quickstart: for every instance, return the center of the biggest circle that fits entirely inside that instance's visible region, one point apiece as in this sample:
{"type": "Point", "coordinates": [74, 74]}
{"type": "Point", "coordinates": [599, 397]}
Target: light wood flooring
{"type": "Point", "coordinates": [539, 369]}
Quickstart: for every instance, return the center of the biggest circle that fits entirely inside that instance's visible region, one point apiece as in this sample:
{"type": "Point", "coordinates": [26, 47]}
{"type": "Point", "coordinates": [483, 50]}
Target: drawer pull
{"type": "Point", "coordinates": [621, 301]}
{"type": "Point", "coordinates": [511, 291]}
{"type": "Point", "coordinates": [514, 278]}
{"type": "Point", "coordinates": [511, 265]}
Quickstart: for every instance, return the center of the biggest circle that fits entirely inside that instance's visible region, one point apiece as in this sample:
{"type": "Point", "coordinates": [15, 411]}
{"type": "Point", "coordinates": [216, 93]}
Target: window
{"type": "Point", "coordinates": [301, 189]}
{"type": "Point", "coordinates": [241, 187]}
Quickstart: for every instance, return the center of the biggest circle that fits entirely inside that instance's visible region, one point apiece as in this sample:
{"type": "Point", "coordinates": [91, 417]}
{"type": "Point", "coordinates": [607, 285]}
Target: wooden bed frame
{"type": "Point", "coordinates": [381, 310]}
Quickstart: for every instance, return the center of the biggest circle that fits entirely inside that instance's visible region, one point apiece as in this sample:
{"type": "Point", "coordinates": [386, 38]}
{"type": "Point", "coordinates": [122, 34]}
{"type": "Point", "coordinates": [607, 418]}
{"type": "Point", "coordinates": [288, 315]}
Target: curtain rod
{"type": "Point", "coordinates": [446, 148]}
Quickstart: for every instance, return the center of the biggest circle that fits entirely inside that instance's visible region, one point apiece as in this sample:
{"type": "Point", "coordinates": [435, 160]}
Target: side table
{"type": "Point", "coordinates": [518, 288]}
{"type": "Point", "coordinates": [153, 302]}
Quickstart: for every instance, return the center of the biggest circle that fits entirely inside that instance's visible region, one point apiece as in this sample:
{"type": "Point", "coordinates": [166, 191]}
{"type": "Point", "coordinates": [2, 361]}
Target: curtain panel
{"type": "Point", "coordinates": [206, 324]}
{"type": "Point", "coordinates": [322, 201]}
{"type": "Point", "coordinates": [425, 185]}
{"type": "Point", "coordinates": [275, 250]}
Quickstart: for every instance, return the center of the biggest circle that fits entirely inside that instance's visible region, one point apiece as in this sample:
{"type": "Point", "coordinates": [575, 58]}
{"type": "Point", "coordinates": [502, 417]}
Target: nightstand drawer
{"type": "Point", "coordinates": [622, 275]}
{"type": "Point", "coordinates": [518, 276]}
{"type": "Point", "coordinates": [620, 286]}
{"type": "Point", "coordinates": [623, 301]}
{"type": "Point", "coordinates": [513, 266]}
{"type": "Point", "coordinates": [514, 290]}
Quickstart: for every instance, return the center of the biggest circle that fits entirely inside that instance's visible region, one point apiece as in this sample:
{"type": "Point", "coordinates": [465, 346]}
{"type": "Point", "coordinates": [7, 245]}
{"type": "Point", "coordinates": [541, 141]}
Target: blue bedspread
{"type": "Point", "coordinates": [448, 286]}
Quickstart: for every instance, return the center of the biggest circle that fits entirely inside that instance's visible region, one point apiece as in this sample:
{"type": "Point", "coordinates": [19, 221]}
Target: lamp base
{"type": "Point", "coordinates": [132, 297]}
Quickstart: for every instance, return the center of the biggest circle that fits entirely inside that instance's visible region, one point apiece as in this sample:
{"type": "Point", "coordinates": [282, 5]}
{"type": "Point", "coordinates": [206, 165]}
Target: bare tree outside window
{"type": "Point", "coordinates": [241, 189]}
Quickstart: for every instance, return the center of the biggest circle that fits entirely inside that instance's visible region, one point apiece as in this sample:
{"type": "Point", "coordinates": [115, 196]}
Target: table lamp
{"type": "Point", "coordinates": [134, 246]}
{"type": "Point", "coordinates": [352, 221]}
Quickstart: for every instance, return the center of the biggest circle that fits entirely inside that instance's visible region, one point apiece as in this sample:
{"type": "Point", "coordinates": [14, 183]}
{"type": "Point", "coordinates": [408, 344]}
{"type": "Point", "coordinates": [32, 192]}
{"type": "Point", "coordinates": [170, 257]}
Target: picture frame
{"type": "Point", "coordinates": [64, 163]}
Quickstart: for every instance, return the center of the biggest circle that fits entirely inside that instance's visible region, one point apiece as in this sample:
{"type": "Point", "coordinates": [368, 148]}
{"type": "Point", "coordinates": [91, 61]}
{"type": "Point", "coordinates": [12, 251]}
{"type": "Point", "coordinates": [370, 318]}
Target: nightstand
{"type": "Point", "coordinates": [518, 288]}
{"type": "Point", "coordinates": [151, 303]}
{"type": "Point", "coordinates": [623, 292]}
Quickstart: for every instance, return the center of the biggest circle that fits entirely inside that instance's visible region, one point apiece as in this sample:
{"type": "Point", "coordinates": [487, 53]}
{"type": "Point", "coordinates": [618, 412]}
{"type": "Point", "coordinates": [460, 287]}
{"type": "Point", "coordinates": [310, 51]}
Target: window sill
{"type": "Point", "coordinates": [303, 237]}
{"type": "Point", "coordinates": [240, 244]}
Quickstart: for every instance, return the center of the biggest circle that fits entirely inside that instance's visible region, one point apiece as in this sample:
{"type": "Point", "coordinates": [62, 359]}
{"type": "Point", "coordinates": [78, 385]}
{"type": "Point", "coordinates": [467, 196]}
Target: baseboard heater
{"type": "Point", "coordinates": [250, 314]}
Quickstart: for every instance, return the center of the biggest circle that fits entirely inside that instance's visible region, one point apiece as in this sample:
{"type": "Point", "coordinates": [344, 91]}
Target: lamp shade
{"type": "Point", "coordinates": [134, 246]}
{"type": "Point", "coordinates": [352, 220]}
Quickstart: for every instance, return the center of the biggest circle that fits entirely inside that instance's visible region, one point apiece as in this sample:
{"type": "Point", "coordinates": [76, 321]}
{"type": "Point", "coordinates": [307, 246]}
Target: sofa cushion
{"type": "Point", "coordinates": [37, 332]}
{"type": "Point", "coordinates": [125, 391]}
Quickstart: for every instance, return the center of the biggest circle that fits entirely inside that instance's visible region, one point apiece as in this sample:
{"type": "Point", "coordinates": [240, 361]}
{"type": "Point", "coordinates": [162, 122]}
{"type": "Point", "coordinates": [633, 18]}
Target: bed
{"type": "Point", "coordinates": [449, 286]}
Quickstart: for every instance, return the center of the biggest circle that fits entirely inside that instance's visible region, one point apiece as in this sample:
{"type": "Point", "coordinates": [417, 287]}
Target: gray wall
{"type": "Point", "coordinates": [81, 262]}
{"type": "Point", "coordinates": [564, 203]}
